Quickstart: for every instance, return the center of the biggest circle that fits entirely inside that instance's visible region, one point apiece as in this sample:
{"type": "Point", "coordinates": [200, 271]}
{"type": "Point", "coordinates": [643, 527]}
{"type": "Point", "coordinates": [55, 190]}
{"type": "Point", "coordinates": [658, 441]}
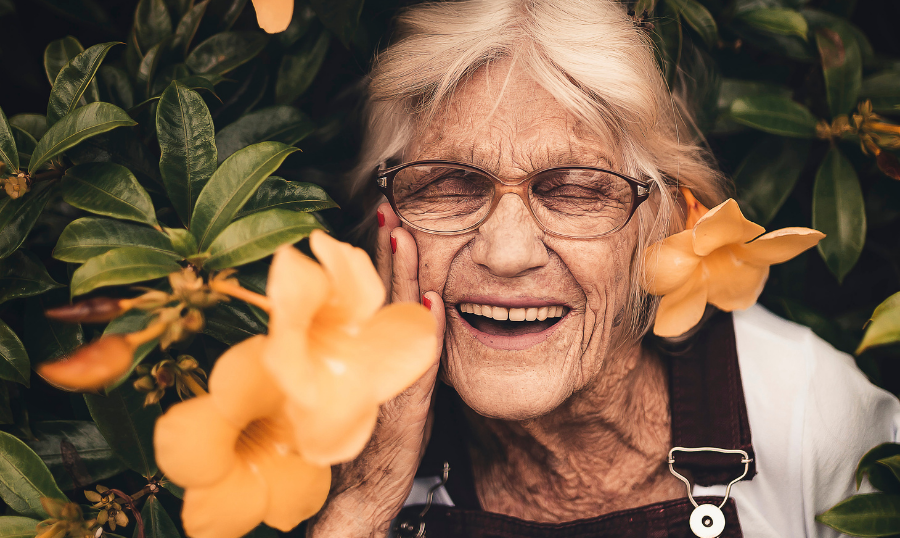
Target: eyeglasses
{"type": "Point", "coordinates": [449, 198]}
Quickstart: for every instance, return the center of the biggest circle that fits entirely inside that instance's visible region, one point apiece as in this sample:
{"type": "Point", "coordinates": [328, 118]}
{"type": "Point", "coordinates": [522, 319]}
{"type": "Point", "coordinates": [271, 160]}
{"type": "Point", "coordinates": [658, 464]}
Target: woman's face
{"type": "Point", "coordinates": [517, 370]}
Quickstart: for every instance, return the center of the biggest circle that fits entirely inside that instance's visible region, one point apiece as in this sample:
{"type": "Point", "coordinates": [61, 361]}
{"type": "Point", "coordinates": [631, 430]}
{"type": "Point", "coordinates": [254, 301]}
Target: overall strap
{"type": "Point", "coordinates": [707, 403]}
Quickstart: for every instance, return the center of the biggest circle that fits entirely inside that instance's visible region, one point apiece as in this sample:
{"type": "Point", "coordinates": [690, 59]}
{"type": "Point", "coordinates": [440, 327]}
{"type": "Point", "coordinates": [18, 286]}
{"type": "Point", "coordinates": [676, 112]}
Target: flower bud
{"type": "Point", "coordinates": [96, 310]}
{"type": "Point", "coordinates": [90, 367]}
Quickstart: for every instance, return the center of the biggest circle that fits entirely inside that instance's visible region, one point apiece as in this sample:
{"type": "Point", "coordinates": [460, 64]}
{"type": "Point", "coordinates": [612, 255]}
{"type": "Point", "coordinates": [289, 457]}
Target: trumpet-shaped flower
{"type": "Point", "coordinates": [274, 15]}
{"type": "Point", "coordinates": [336, 352]}
{"type": "Point", "coordinates": [234, 452]}
{"type": "Point", "coordinates": [722, 260]}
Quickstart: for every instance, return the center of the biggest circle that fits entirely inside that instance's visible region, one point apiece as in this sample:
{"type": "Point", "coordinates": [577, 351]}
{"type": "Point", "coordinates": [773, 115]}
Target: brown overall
{"type": "Point", "coordinates": [708, 410]}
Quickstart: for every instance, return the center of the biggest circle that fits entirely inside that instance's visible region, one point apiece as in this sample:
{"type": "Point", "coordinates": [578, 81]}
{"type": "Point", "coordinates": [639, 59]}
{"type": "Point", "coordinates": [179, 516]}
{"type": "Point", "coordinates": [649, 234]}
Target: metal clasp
{"type": "Point", "coordinates": [745, 459]}
{"type": "Point", "coordinates": [406, 528]}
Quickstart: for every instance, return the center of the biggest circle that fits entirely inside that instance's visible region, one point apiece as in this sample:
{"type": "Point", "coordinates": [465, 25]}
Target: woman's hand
{"type": "Point", "coordinates": [368, 492]}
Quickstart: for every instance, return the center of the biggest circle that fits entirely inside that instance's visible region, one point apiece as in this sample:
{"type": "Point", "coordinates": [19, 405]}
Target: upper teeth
{"type": "Point", "coordinates": [512, 314]}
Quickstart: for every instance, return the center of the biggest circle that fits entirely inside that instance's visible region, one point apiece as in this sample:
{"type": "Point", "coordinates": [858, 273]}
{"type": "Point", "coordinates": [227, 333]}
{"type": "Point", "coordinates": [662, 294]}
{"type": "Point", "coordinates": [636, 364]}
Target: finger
{"type": "Point", "coordinates": [432, 300]}
{"type": "Point", "coordinates": [404, 267]}
{"type": "Point", "coordinates": [387, 221]}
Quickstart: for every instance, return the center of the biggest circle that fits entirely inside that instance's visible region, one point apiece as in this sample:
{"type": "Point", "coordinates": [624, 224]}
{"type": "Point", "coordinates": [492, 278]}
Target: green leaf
{"type": "Point", "coordinates": [182, 241]}
{"type": "Point", "coordinates": [892, 463]}
{"type": "Point", "coordinates": [46, 339]}
{"type": "Point", "coordinates": [125, 265]}
{"type": "Point", "coordinates": [88, 237]}
{"type": "Point", "coordinates": [231, 186]}
{"type": "Point", "coordinates": [81, 124]}
{"type": "Point", "coordinates": [115, 87]}
{"type": "Point", "coordinates": [777, 21]}
{"type": "Point", "coordinates": [187, 27]}
{"type": "Point", "coordinates": [132, 321]}
{"type": "Point", "coordinates": [73, 80]}
{"type": "Point", "coordinates": [148, 66]}
{"type": "Point", "coordinates": [6, 412]}
{"type": "Point", "coordinates": [257, 236]}
{"type": "Point", "coordinates": [276, 192]}
{"type": "Point", "coordinates": [57, 54]}
{"type": "Point", "coordinates": [767, 175]}
{"type": "Point", "coordinates": [33, 124]}
{"type": "Point", "coordinates": [223, 52]}
{"type": "Point", "coordinates": [9, 154]}
{"type": "Point", "coordinates": [14, 363]}
{"type": "Point", "coordinates": [18, 527]}
{"type": "Point", "coordinates": [299, 66]}
{"type": "Point", "coordinates": [25, 143]}
{"type": "Point", "coordinates": [698, 18]}
{"type": "Point", "coordinates": [75, 452]}
{"type": "Point", "coordinates": [667, 40]}
{"type": "Point", "coordinates": [23, 275]}
{"type": "Point", "coordinates": [173, 488]}
{"type": "Point", "coordinates": [17, 217]}
{"type": "Point", "coordinates": [774, 114]}
{"type": "Point", "coordinates": [24, 478]}
{"type": "Point", "coordinates": [232, 323]}
{"type": "Point", "coordinates": [187, 142]}
{"type": "Point", "coordinates": [842, 65]}
{"type": "Point", "coordinates": [644, 6]}
{"type": "Point", "coordinates": [283, 123]}
{"type": "Point", "coordinates": [875, 514]}
{"type": "Point", "coordinates": [341, 17]}
{"type": "Point", "coordinates": [883, 89]}
{"type": "Point", "coordinates": [108, 189]}
{"type": "Point", "coordinates": [152, 23]}
{"type": "Point", "coordinates": [127, 426]}
{"type": "Point", "coordinates": [157, 523]}
{"type": "Point", "coordinates": [839, 212]}
{"type": "Point", "coordinates": [884, 327]}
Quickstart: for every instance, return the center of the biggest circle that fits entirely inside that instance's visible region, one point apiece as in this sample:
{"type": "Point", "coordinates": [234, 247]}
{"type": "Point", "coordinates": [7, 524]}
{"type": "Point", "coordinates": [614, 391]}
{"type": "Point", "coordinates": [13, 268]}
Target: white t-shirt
{"type": "Point", "coordinates": [812, 415]}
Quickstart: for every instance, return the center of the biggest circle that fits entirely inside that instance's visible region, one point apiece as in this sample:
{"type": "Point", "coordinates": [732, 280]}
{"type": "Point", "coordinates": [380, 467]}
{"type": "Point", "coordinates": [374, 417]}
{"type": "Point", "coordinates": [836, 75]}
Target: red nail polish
{"type": "Point", "coordinates": [380, 219]}
{"type": "Point", "coordinates": [394, 245]}
{"type": "Point", "coordinates": [427, 302]}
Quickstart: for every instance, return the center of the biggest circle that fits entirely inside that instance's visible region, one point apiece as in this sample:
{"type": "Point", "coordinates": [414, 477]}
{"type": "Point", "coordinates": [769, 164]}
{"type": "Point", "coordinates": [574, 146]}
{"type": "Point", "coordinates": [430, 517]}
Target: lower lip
{"type": "Point", "coordinates": [513, 343]}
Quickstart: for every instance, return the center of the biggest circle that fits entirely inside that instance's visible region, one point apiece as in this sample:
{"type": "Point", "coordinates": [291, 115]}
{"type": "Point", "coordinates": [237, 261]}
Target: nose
{"type": "Point", "coordinates": [509, 242]}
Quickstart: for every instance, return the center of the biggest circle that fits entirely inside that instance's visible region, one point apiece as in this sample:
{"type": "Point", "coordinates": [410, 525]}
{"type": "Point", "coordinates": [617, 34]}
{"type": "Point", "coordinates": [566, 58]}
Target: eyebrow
{"type": "Point", "coordinates": [575, 155]}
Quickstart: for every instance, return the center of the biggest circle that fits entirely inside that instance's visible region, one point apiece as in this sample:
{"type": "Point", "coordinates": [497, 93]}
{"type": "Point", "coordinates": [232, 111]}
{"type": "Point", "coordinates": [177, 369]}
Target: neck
{"type": "Point", "coordinates": [601, 451]}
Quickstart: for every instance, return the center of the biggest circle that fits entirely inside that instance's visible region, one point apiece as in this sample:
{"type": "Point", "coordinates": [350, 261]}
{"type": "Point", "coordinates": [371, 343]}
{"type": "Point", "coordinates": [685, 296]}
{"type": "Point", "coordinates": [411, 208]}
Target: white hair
{"type": "Point", "coordinates": [589, 55]}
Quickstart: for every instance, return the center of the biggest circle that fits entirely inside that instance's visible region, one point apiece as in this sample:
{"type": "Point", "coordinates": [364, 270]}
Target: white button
{"type": "Point", "coordinates": [707, 521]}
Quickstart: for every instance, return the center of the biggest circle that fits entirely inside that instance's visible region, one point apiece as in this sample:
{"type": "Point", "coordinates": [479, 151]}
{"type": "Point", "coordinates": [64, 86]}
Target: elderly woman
{"type": "Point", "coordinates": [530, 151]}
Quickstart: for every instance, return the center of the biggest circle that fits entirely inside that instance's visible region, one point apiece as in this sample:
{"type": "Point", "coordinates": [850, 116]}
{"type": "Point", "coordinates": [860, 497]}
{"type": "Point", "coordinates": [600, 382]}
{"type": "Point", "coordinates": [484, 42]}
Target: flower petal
{"type": "Point", "coordinates": [398, 345]}
{"type": "Point", "coordinates": [695, 209]}
{"type": "Point", "coordinates": [241, 387]}
{"type": "Point", "coordinates": [733, 283]}
{"type": "Point", "coordinates": [90, 367]}
{"type": "Point", "coordinates": [780, 245]}
{"type": "Point", "coordinates": [194, 443]}
{"type": "Point", "coordinates": [682, 308]}
{"type": "Point", "coordinates": [228, 509]}
{"type": "Point", "coordinates": [274, 16]}
{"type": "Point", "coordinates": [669, 263]}
{"type": "Point", "coordinates": [333, 433]}
{"type": "Point", "coordinates": [297, 489]}
{"type": "Point", "coordinates": [358, 291]}
{"type": "Point", "coordinates": [723, 225]}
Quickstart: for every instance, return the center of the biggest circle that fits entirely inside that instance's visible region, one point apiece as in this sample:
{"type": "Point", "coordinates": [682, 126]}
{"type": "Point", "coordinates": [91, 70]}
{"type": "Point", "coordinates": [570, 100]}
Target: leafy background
{"type": "Point", "coordinates": [747, 65]}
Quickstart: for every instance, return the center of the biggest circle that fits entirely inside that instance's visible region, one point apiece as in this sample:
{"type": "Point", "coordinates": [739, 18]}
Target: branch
{"type": "Point", "coordinates": [134, 511]}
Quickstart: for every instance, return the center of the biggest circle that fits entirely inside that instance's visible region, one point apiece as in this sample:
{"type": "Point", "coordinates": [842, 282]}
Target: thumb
{"type": "Point", "coordinates": [433, 302]}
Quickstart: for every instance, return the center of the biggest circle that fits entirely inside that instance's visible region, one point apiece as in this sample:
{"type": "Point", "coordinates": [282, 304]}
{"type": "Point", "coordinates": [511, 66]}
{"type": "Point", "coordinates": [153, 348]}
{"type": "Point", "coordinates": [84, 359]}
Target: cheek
{"type": "Point", "coordinates": [436, 253]}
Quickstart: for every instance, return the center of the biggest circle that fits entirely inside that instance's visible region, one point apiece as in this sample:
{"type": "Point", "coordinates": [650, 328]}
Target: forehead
{"type": "Point", "coordinates": [503, 120]}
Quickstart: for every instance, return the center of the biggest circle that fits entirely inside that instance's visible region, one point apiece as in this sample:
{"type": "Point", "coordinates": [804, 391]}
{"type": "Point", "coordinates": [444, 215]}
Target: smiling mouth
{"type": "Point", "coordinates": [511, 322]}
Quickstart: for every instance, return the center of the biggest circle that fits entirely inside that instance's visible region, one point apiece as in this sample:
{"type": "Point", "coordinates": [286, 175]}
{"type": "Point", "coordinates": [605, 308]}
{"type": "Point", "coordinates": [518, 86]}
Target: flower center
{"type": "Point", "coordinates": [263, 437]}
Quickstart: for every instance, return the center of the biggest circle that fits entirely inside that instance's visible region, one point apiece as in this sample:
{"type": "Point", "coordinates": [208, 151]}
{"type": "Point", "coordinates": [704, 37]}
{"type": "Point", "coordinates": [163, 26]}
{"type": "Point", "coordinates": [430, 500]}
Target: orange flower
{"type": "Point", "coordinates": [274, 16]}
{"type": "Point", "coordinates": [716, 262]}
{"type": "Point", "coordinates": [234, 452]}
{"type": "Point", "coordinates": [336, 353]}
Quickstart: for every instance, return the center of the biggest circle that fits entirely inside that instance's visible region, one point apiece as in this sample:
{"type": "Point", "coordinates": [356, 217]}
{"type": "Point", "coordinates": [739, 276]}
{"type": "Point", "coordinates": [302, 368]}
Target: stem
{"type": "Point", "coordinates": [234, 290]}
{"type": "Point", "coordinates": [152, 332]}
{"type": "Point", "coordinates": [192, 384]}
{"type": "Point", "coordinates": [49, 174]}
{"type": "Point", "coordinates": [134, 511]}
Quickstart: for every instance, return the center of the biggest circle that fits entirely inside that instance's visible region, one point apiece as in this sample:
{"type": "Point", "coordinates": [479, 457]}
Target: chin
{"type": "Point", "coordinates": [510, 397]}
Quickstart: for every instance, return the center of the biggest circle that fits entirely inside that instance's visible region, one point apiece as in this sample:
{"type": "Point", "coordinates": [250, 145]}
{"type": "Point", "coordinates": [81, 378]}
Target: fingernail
{"type": "Point", "coordinates": [380, 219]}
{"type": "Point", "coordinates": [427, 302]}
{"type": "Point", "coordinates": [393, 244]}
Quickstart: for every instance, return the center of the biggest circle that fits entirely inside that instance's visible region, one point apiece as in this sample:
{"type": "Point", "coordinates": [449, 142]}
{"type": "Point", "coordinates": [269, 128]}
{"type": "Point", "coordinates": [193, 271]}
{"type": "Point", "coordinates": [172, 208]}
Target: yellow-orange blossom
{"type": "Point", "coordinates": [283, 407]}
{"type": "Point", "coordinates": [274, 15]}
{"type": "Point", "coordinates": [722, 260]}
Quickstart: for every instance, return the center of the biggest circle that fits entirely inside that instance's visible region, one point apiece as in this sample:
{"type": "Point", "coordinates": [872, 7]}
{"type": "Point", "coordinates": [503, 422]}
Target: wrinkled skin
{"type": "Point", "coordinates": [583, 430]}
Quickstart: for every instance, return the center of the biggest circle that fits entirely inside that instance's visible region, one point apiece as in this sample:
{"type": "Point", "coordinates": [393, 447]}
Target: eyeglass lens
{"type": "Point", "coordinates": [568, 201]}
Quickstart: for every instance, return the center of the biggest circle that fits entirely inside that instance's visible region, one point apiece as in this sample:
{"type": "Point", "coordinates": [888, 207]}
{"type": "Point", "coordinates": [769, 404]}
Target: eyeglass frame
{"type": "Point", "coordinates": [384, 179]}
